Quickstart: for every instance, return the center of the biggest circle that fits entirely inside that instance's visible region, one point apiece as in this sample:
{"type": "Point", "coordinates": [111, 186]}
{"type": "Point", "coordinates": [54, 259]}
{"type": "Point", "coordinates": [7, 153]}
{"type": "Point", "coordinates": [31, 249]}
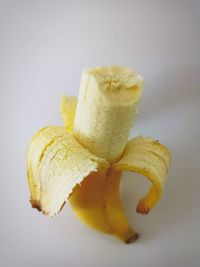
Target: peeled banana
{"type": "Point", "coordinates": [106, 109]}
{"type": "Point", "coordinates": [82, 162]}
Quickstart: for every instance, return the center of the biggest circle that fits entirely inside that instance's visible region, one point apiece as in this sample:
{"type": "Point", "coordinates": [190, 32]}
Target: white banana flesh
{"type": "Point", "coordinates": [106, 109]}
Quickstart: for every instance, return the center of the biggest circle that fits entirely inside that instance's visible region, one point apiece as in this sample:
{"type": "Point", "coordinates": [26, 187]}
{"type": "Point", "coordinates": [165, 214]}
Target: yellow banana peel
{"type": "Point", "coordinates": [82, 162]}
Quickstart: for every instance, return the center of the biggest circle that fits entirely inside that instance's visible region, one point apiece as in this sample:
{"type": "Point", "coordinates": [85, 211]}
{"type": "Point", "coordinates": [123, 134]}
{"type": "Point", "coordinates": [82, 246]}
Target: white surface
{"type": "Point", "coordinates": [44, 45]}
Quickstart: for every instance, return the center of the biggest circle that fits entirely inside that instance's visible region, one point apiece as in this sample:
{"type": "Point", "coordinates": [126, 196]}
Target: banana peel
{"type": "Point", "coordinates": [68, 110]}
{"type": "Point", "coordinates": [83, 161]}
{"type": "Point", "coordinates": [56, 163]}
{"type": "Point", "coordinates": [150, 158]}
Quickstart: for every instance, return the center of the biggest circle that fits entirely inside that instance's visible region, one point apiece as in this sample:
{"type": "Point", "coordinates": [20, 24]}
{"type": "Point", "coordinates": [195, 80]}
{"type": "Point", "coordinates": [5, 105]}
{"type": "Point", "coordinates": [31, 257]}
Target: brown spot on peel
{"type": "Point", "coordinates": [35, 204]}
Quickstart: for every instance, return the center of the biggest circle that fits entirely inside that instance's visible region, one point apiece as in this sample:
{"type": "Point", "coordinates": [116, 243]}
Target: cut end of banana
{"type": "Point", "coordinates": [121, 85]}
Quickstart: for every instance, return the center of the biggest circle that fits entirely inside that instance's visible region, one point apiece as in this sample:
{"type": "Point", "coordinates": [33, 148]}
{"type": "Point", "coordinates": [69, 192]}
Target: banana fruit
{"type": "Point", "coordinates": [106, 110]}
{"type": "Point", "coordinates": [82, 162]}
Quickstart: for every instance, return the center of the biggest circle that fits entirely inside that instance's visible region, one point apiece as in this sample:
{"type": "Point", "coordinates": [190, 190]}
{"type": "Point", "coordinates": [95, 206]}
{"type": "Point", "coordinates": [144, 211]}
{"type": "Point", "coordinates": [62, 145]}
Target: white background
{"type": "Point", "coordinates": [44, 46]}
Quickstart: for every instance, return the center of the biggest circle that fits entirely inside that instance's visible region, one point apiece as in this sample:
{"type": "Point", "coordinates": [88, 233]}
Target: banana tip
{"type": "Point", "coordinates": [132, 239]}
{"type": "Point", "coordinates": [35, 204]}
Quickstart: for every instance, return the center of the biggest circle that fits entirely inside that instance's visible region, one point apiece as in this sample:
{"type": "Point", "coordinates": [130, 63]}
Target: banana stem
{"type": "Point", "coordinates": [106, 109]}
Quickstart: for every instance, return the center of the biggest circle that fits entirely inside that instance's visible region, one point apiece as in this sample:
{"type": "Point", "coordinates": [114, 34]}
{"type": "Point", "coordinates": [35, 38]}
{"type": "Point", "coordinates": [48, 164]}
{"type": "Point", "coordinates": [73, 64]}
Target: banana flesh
{"type": "Point", "coordinates": [106, 109]}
